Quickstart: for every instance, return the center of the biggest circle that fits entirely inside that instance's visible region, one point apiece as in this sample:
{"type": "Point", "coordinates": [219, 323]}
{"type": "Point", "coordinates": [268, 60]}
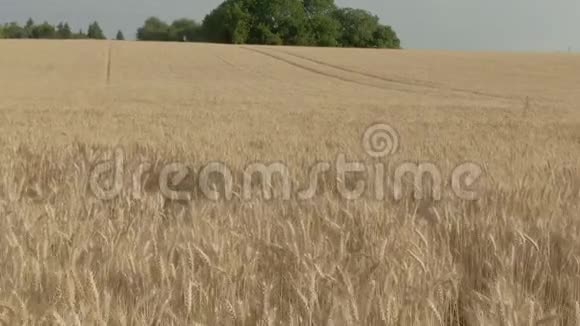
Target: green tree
{"type": "Point", "coordinates": [120, 36]}
{"type": "Point", "coordinates": [276, 22]}
{"type": "Point", "coordinates": [43, 31]}
{"type": "Point", "coordinates": [385, 37]}
{"type": "Point", "coordinates": [357, 27]}
{"type": "Point", "coordinates": [259, 22]}
{"type": "Point", "coordinates": [324, 30]}
{"type": "Point", "coordinates": [262, 34]}
{"type": "Point", "coordinates": [360, 28]}
{"type": "Point", "coordinates": [284, 19]}
{"type": "Point", "coordinates": [80, 35]}
{"type": "Point", "coordinates": [319, 7]}
{"type": "Point", "coordinates": [14, 31]}
{"type": "Point", "coordinates": [29, 27]}
{"type": "Point", "coordinates": [63, 31]}
{"type": "Point", "coordinates": [185, 30]}
{"type": "Point", "coordinates": [95, 32]}
{"type": "Point", "coordinates": [230, 22]}
{"type": "Point", "coordinates": [154, 29]}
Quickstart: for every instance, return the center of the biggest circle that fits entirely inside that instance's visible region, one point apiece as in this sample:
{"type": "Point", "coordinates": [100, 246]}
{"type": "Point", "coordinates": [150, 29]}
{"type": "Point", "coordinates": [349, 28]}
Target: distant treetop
{"type": "Point", "coordinates": [95, 32]}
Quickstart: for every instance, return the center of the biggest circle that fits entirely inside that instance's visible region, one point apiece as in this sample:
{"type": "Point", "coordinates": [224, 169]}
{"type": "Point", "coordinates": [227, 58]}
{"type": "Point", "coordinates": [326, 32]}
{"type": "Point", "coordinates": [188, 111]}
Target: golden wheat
{"type": "Point", "coordinates": [511, 257]}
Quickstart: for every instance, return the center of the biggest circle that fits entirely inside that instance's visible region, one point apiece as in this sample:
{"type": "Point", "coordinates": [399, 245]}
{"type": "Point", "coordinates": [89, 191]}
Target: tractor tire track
{"type": "Point", "coordinates": [345, 69]}
{"type": "Point", "coordinates": [109, 64]}
{"type": "Point", "coordinates": [238, 68]}
{"type": "Point", "coordinates": [326, 74]}
{"type": "Point", "coordinates": [227, 62]}
{"type": "Point", "coordinates": [428, 85]}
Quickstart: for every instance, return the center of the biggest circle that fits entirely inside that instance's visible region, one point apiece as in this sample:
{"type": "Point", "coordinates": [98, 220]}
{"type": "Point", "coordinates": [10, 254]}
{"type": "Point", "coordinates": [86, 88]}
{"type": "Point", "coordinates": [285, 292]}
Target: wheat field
{"type": "Point", "coordinates": [510, 257]}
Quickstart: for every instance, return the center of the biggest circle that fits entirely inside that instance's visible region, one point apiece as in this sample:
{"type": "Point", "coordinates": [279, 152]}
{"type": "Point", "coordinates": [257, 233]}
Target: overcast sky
{"type": "Point", "coordinates": [512, 25]}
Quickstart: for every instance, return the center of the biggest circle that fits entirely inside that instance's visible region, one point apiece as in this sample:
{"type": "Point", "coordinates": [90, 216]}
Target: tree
{"type": "Point", "coordinates": [357, 27]}
{"type": "Point", "coordinates": [385, 37]}
{"type": "Point", "coordinates": [262, 34]}
{"type": "Point", "coordinates": [276, 22]}
{"type": "Point", "coordinates": [95, 32]}
{"type": "Point", "coordinates": [80, 35]}
{"type": "Point", "coordinates": [259, 22]}
{"type": "Point", "coordinates": [323, 28]}
{"type": "Point", "coordinates": [14, 31]}
{"type": "Point", "coordinates": [360, 28]}
{"type": "Point", "coordinates": [63, 31]}
{"type": "Point", "coordinates": [284, 19]}
{"type": "Point", "coordinates": [185, 30]}
{"type": "Point", "coordinates": [230, 22]}
{"type": "Point", "coordinates": [154, 29]}
{"type": "Point", "coordinates": [29, 27]}
{"type": "Point", "coordinates": [120, 36]}
{"type": "Point", "coordinates": [43, 31]}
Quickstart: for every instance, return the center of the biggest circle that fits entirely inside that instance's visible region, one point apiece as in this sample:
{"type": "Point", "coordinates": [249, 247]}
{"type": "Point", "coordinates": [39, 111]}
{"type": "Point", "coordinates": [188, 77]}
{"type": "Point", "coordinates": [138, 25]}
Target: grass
{"type": "Point", "coordinates": [510, 258]}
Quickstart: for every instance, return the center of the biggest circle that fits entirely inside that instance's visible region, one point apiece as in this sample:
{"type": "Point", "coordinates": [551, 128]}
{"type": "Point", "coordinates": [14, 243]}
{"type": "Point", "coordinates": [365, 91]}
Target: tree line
{"type": "Point", "coordinates": [277, 22]}
{"type": "Point", "coordinates": [61, 31]}
{"type": "Point", "coordinates": [269, 22]}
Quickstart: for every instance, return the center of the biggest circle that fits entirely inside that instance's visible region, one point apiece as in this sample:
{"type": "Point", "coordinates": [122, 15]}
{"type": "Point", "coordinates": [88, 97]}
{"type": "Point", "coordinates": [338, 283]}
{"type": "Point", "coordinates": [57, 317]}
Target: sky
{"type": "Point", "coordinates": [472, 25]}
